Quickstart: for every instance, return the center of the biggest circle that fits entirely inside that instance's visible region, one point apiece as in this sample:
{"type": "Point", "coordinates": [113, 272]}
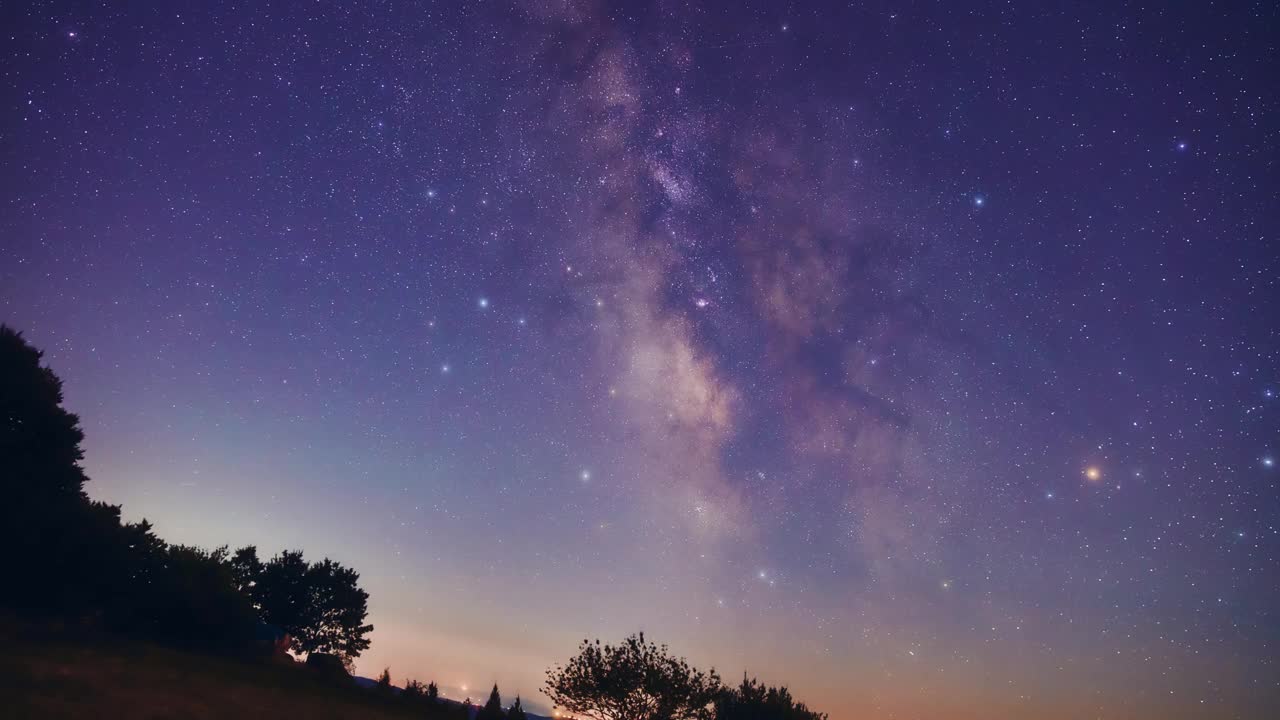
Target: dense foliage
{"type": "Point", "coordinates": [752, 700]}
{"type": "Point", "coordinates": [634, 680]}
{"type": "Point", "coordinates": [69, 555]}
{"type": "Point", "coordinates": [638, 680]}
{"type": "Point", "coordinates": [320, 604]}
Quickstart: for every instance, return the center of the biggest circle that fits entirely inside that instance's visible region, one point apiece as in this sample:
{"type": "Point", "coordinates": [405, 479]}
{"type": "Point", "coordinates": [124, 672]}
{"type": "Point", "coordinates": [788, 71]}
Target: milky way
{"type": "Point", "coordinates": [918, 357]}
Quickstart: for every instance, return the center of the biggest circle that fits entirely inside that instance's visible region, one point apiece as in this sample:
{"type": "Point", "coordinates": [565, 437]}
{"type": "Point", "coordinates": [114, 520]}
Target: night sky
{"type": "Point", "coordinates": [921, 357]}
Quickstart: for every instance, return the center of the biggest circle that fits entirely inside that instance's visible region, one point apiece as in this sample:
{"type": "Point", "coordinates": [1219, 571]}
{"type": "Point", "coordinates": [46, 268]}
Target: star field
{"type": "Point", "coordinates": [919, 356]}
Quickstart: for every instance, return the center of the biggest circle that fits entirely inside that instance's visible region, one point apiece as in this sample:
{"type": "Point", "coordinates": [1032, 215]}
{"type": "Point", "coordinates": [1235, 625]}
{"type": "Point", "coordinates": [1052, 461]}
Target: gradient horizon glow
{"type": "Point", "coordinates": [920, 357]}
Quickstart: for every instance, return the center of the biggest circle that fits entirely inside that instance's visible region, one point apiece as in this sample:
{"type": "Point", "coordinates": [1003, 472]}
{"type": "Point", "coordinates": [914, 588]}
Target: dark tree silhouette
{"type": "Point", "coordinates": [189, 599]}
{"type": "Point", "coordinates": [752, 700]}
{"type": "Point", "coordinates": [66, 554]}
{"type": "Point", "coordinates": [44, 515]}
{"type": "Point", "coordinates": [635, 680]}
{"type": "Point", "coordinates": [414, 691]}
{"type": "Point", "coordinates": [492, 709]}
{"type": "Point", "coordinates": [63, 553]}
{"type": "Point", "coordinates": [340, 607]}
{"type": "Point", "coordinates": [246, 568]}
{"type": "Point", "coordinates": [320, 605]}
{"type": "Point", "coordinates": [281, 592]}
{"type": "Point", "coordinates": [433, 692]}
{"type": "Point", "coordinates": [384, 682]}
{"type": "Point", "coordinates": [39, 441]}
{"type": "Point", "coordinates": [516, 711]}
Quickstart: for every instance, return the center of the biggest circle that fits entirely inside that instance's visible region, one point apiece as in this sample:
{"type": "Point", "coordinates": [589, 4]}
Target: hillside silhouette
{"type": "Point", "coordinates": [102, 617]}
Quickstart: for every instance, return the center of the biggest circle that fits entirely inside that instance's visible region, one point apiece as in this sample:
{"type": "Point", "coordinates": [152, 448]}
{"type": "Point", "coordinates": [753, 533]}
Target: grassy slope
{"type": "Point", "coordinates": [49, 674]}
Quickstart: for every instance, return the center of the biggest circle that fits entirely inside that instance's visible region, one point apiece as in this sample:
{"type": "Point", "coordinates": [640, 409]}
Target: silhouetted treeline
{"type": "Point", "coordinates": [73, 557]}
{"type": "Point", "coordinates": [70, 556]}
{"type": "Point", "coordinates": [425, 700]}
{"type": "Point", "coordinates": [640, 680]}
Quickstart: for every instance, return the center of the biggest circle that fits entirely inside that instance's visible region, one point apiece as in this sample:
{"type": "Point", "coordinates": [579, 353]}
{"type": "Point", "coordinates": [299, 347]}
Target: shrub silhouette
{"type": "Point", "coordinates": [634, 680]}
{"type": "Point", "coordinates": [753, 701]}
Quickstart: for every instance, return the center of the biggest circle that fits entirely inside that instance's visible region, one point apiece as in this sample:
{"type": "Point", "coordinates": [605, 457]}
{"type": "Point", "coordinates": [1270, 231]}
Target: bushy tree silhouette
{"type": "Point", "coordinates": [752, 700]}
{"type": "Point", "coordinates": [192, 601]}
{"type": "Point", "coordinates": [321, 605]}
{"type": "Point", "coordinates": [39, 440]}
{"type": "Point", "coordinates": [246, 568]}
{"type": "Point", "coordinates": [281, 592]}
{"type": "Point", "coordinates": [44, 514]}
{"type": "Point", "coordinates": [433, 691]}
{"type": "Point", "coordinates": [634, 680]}
{"type": "Point", "coordinates": [384, 682]}
{"type": "Point", "coordinates": [340, 609]}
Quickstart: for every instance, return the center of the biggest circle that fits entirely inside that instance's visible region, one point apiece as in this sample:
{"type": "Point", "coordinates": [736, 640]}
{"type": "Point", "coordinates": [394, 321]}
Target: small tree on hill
{"type": "Point", "coordinates": [433, 692]}
{"type": "Point", "coordinates": [635, 680]}
{"type": "Point", "coordinates": [516, 711]}
{"type": "Point", "coordinates": [384, 681]}
{"type": "Point", "coordinates": [492, 709]}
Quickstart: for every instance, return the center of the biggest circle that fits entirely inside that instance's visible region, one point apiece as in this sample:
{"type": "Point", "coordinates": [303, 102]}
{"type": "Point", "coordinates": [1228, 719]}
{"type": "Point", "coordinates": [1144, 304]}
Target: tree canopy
{"type": "Point", "coordinates": [68, 554]}
{"type": "Point", "coordinates": [320, 604]}
{"type": "Point", "coordinates": [634, 680]}
{"type": "Point", "coordinates": [752, 700]}
{"type": "Point", "coordinates": [39, 440]}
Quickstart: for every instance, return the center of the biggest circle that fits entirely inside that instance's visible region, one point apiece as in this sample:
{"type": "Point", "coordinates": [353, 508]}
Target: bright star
{"type": "Point", "coordinates": [484, 303]}
{"type": "Point", "coordinates": [1268, 462]}
{"type": "Point", "coordinates": [1092, 473]}
{"type": "Point", "coordinates": [979, 201]}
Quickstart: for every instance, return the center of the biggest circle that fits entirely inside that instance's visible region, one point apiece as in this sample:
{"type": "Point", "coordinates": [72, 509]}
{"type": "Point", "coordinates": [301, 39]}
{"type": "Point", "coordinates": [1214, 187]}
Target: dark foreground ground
{"type": "Point", "coordinates": [47, 671]}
